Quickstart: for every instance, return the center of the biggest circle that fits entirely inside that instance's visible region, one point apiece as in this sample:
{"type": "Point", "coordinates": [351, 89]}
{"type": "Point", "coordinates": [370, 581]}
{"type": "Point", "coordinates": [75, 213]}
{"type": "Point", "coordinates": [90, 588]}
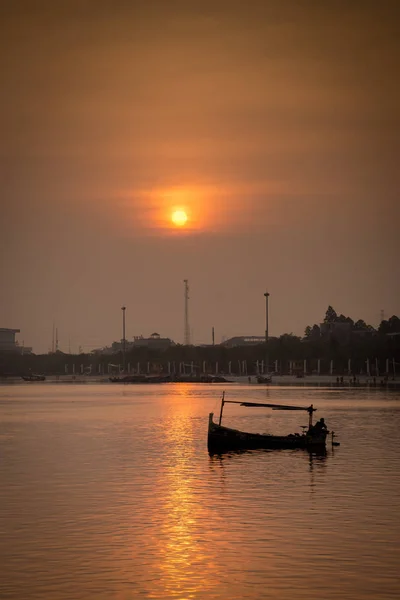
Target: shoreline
{"type": "Point", "coordinates": [277, 380]}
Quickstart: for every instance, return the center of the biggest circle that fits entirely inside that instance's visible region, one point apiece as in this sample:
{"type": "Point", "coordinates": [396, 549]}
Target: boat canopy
{"type": "Point", "coordinates": [309, 409]}
{"type": "Point", "coordinates": [278, 406]}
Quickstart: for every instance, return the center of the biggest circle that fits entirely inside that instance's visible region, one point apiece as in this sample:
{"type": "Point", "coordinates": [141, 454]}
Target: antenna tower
{"type": "Point", "coordinates": [52, 341]}
{"type": "Point", "coordinates": [56, 339]}
{"type": "Point", "coordinates": [186, 336]}
{"type": "Point", "coordinates": [382, 315]}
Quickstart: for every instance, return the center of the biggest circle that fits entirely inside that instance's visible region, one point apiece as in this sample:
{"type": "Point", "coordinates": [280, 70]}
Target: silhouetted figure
{"type": "Point", "coordinates": [249, 379]}
{"type": "Point", "coordinates": [337, 380]}
{"type": "Point", "coordinates": [319, 427]}
{"type": "Point", "coordinates": [341, 379]}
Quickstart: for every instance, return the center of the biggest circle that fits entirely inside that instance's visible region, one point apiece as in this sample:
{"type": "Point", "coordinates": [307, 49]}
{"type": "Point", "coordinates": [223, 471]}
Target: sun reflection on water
{"type": "Point", "coordinates": [184, 558]}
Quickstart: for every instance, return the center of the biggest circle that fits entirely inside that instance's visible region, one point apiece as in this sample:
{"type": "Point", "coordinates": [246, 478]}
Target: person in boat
{"type": "Point", "coordinates": [319, 427]}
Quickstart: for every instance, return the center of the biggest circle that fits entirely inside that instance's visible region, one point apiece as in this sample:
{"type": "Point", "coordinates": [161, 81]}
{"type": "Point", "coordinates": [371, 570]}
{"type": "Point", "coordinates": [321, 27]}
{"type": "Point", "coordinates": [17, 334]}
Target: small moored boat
{"type": "Point", "coordinates": [221, 439]}
{"type": "Point", "coordinates": [33, 377]}
{"type": "Point", "coordinates": [141, 379]}
{"type": "Point", "coordinates": [264, 379]}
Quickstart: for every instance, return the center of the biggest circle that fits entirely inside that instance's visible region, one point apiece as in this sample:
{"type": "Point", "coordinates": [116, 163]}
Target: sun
{"type": "Point", "coordinates": [179, 218]}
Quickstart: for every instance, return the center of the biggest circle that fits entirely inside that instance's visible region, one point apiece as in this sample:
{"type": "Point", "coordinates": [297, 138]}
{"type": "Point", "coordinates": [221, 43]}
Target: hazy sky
{"type": "Point", "coordinates": [274, 124]}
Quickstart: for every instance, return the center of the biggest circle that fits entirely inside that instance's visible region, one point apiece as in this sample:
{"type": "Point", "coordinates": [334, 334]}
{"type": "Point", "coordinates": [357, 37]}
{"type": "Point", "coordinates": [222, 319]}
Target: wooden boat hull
{"type": "Point", "coordinates": [261, 379]}
{"type": "Point", "coordinates": [33, 377]}
{"type": "Point", "coordinates": [223, 439]}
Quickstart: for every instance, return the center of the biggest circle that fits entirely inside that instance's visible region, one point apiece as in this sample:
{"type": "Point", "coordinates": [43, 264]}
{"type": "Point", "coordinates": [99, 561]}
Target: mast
{"type": "Point", "coordinates": [222, 407]}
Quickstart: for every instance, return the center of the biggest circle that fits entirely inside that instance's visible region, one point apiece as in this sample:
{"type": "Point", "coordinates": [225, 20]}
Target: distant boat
{"type": "Point", "coordinates": [141, 379]}
{"type": "Point", "coordinates": [222, 439]}
{"type": "Point", "coordinates": [33, 377]}
{"type": "Point", "coordinates": [264, 379]}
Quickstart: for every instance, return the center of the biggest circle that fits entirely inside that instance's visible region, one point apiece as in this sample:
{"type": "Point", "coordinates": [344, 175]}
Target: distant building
{"type": "Point", "coordinates": [8, 342]}
{"type": "Point", "coordinates": [245, 340]}
{"type": "Point", "coordinates": [155, 342]}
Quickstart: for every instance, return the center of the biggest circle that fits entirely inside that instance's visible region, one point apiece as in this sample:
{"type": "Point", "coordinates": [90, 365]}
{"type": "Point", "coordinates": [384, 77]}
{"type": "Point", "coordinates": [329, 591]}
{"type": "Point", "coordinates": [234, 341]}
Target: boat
{"type": "Point", "coordinates": [222, 439]}
{"type": "Point", "coordinates": [141, 379]}
{"type": "Point", "coordinates": [33, 377]}
{"type": "Point", "coordinates": [264, 379]}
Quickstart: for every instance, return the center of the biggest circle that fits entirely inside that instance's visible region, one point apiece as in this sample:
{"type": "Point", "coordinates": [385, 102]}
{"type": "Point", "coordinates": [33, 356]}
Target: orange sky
{"type": "Point", "coordinates": [274, 124]}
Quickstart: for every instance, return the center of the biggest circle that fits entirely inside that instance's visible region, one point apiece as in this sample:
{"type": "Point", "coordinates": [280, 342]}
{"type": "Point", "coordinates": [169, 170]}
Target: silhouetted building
{"type": "Point", "coordinates": [8, 342]}
{"type": "Point", "coordinates": [244, 340]}
{"type": "Point", "coordinates": [154, 341]}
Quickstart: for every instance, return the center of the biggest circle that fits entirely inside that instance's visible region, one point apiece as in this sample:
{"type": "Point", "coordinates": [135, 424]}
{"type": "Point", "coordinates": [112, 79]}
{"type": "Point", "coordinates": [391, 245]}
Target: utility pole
{"type": "Point", "coordinates": [266, 331]}
{"type": "Point", "coordinates": [186, 333]}
{"type": "Point", "coordinates": [123, 338]}
{"type": "Point", "coordinates": [213, 337]}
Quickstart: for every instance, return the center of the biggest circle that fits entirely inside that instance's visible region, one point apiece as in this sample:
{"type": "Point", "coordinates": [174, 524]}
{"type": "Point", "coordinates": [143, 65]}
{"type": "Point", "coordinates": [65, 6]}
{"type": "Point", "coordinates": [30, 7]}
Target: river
{"type": "Point", "coordinates": [107, 491]}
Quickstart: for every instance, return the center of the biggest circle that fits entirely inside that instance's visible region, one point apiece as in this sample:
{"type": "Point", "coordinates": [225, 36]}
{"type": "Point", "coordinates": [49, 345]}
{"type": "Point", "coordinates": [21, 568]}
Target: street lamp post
{"type": "Point", "coordinates": [266, 331]}
{"type": "Point", "coordinates": [123, 338]}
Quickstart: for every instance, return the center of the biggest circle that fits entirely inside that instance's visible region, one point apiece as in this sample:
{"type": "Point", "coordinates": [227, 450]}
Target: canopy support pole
{"type": "Point", "coordinates": [222, 407]}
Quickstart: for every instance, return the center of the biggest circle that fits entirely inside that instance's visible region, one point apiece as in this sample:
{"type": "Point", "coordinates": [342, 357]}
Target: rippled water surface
{"type": "Point", "coordinates": [108, 491]}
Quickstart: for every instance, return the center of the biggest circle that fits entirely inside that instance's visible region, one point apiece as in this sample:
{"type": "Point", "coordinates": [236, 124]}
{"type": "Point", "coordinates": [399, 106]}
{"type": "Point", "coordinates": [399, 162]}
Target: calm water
{"type": "Point", "coordinates": [109, 492]}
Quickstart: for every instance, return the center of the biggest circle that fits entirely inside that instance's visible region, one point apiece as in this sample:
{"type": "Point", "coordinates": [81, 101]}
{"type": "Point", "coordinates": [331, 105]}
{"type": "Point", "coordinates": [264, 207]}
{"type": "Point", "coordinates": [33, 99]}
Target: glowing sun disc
{"type": "Point", "coordinates": [179, 218]}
